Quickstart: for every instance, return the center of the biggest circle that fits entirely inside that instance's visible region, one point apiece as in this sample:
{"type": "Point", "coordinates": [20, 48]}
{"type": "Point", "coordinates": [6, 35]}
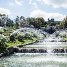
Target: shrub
{"type": "Point", "coordinates": [28, 36]}
{"type": "Point", "coordinates": [2, 43]}
{"type": "Point", "coordinates": [12, 38]}
{"type": "Point", "coordinates": [20, 38]}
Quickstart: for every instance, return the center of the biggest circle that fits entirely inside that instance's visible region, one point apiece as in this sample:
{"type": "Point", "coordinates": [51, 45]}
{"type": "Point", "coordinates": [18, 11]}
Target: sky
{"type": "Point", "coordinates": [56, 9]}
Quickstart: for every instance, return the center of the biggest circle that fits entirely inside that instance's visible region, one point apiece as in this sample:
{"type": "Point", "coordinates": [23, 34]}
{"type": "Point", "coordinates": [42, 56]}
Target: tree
{"type": "Point", "coordinates": [61, 25]}
{"type": "Point", "coordinates": [17, 22]}
{"type": "Point", "coordinates": [52, 19]}
{"type": "Point", "coordinates": [65, 22]}
{"type": "Point", "coordinates": [3, 19]}
{"type": "Point", "coordinates": [30, 21]}
{"type": "Point", "coordinates": [22, 21]}
{"type": "Point", "coordinates": [9, 23]}
{"type": "Point", "coordinates": [36, 22]}
{"type": "Point", "coordinates": [39, 22]}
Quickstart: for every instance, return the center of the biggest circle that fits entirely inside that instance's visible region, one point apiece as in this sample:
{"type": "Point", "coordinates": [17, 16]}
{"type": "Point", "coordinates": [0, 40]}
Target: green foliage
{"type": "Point", "coordinates": [52, 24]}
{"type": "Point", "coordinates": [2, 43]}
{"type": "Point", "coordinates": [22, 21]}
{"type": "Point", "coordinates": [3, 19]}
{"type": "Point", "coordinates": [34, 36]}
{"type": "Point", "coordinates": [61, 25]}
{"type": "Point", "coordinates": [7, 31]}
{"type": "Point", "coordinates": [1, 31]}
{"type": "Point", "coordinates": [12, 38]}
{"type": "Point", "coordinates": [17, 22]}
{"type": "Point", "coordinates": [27, 36]}
{"type": "Point", "coordinates": [36, 22]}
{"type": "Point", "coordinates": [9, 23]}
{"type": "Point", "coordinates": [17, 43]}
{"type": "Point", "coordinates": [65, 22]}
{"type": "Point", "coordinates": [20, 38]}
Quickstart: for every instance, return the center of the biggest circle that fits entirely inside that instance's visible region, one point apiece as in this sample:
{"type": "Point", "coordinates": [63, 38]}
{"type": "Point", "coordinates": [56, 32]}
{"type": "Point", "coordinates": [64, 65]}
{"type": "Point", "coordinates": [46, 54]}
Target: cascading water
{"type": "Point", "coordinates": [39, 59]}
{"type": "Point", "coordinates": [34, 60]}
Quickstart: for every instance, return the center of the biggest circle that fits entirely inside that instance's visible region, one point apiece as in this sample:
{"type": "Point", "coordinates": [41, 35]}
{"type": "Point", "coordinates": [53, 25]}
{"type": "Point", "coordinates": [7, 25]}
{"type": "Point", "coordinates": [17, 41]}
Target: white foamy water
{"type": "Point", "coordinates": [47, 59]}
{"type": "Point", "coordinates": [38, 59]}
{"type": "Point", "coordinates": [34, 60]}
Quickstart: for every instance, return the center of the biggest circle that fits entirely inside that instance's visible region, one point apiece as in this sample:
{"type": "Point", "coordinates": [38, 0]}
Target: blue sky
{"type": "Point", "coordinates": [34, 8]}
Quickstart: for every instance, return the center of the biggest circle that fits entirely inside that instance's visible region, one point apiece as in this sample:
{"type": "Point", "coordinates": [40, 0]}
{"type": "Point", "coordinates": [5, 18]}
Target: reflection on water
{"type": "Point", "coordinates": [34, 60]}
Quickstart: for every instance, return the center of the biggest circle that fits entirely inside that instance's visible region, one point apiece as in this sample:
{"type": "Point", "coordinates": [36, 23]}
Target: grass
{"type": "Point", "coordinates": [17, 43]}
{"type": "Point", "coordinates": [65, 38]}
{"type": "Point", "coordinates": [11, 44]}
{"type": "Point", "coordinates": [9, 30]}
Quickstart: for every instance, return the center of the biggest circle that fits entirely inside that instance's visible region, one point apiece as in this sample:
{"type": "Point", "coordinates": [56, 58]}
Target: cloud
{"type": "Point", "coordinates": [30, 1]}
{"type": "Point", "coordinates": [11, 4]}
{"type": "Point", "coordinates": [5, 11]}
{"type": "Point", "coordinates": [19, 2]}
{"type": "Point", "coordinates": [45, 15]}
{"type": "Point", "coordinates": [56, 3]}
{"type": "Point", "coordinates": [34, 4]}
{"type": "Point", "coordinates": [38, 0]}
